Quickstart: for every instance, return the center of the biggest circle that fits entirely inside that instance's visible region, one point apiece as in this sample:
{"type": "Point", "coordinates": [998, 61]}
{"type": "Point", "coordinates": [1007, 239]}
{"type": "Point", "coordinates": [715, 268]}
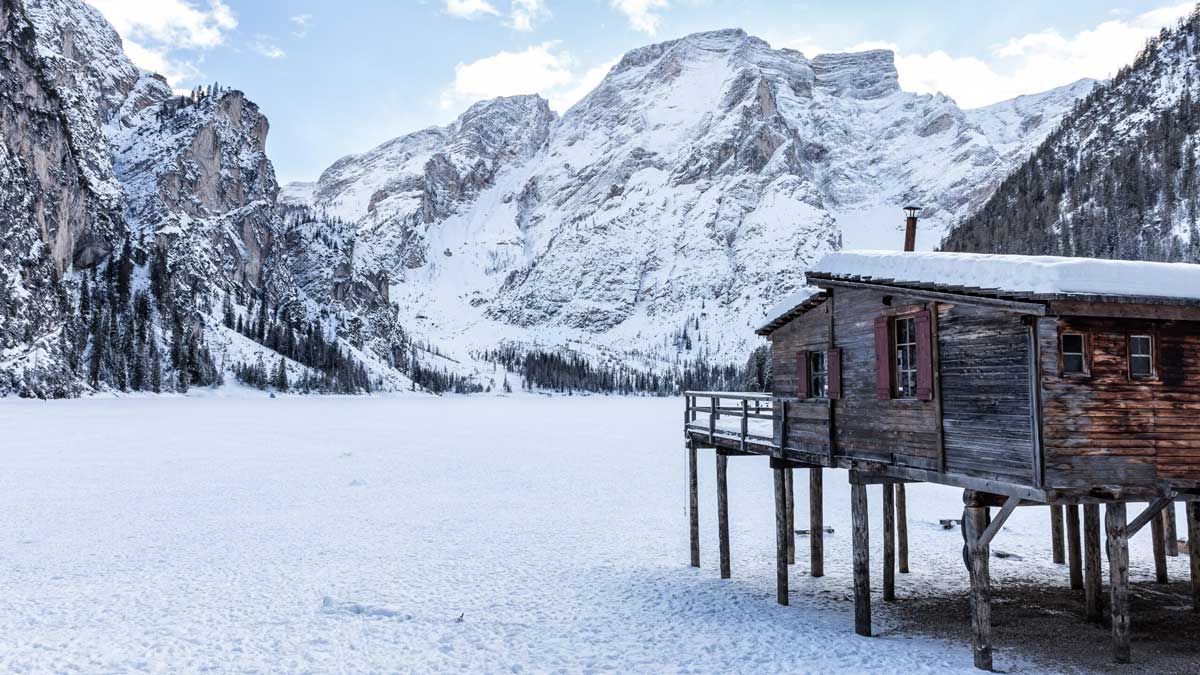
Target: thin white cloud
{"type": "Point", "coordinates": [265, 46]}
{"type": "Point", "coordinates": [546, 69]}
{"type": "Point", "coordinates": [527, 13]}
{"type": "Point", "coordinates": [538, 69]}
{"type": "Point", "coordinates": [1025, 64]}
{"type": "Point", "coordinates": [154, 30]}
{"type": "Point", "coordinates": [302, 22]}
{"type": "Point", "coordinates": [562, 99]}
{"type": "Point", "coordinates": [470, 9]}
{"type": "Point", "coordinates": [642, 14]}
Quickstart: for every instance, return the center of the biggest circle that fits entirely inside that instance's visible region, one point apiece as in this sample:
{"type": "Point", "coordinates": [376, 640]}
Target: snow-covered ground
{"type": "Point", "coordinates": [337, 535]}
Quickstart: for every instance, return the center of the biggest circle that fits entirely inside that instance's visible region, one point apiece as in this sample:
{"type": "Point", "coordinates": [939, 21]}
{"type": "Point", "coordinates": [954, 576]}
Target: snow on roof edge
{"type": "Point", "coordinates": [788, 303]}
{"type": "Point", "coordinates": [1051, 275]}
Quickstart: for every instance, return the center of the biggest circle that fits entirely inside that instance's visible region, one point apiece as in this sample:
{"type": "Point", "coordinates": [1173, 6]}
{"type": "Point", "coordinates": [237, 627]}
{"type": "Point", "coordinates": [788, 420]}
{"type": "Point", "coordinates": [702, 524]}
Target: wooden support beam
{"type": "Point", "coordinates": [1144, 517]}
{"type": "Point", "coordinates": [1118, 572]}
{"type": "Point", "coordinates": [693, 505]}
{"type": "Point", "coordinates": [723, 513]}
{"type": "Point", "coordinates": [781, 564]}
{"type": "Point", "coordinates": [1158, 532]}
{"type": "Point", "coordinates": [1193, 525]}
{"type": "Point", "coordinates": [862, 560]}
{"type": "Point", "coordinates": [992, 527]}
{"type": "Point", "coordinates": [974, 519]}
{"type": "Point", "coordinates": [816, 524]}
{"type": "Point", "coordinates": [1056, 534]}
{"type": "Point", "coordinates": [902, 528]}
{"type": "Point", "coordinates": [889, 542]}
{"type": "Point", "coordinates": [1093, 576]}
{"type": "Point", "coordinates": [1172, 533]}
{"type": "Point", "coordinates": [790, 494]}
{"type": "Point", "coordinates": [1074, 555]}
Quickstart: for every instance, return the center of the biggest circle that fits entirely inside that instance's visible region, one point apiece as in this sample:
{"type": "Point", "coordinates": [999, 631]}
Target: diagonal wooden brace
{"type": "Point", "coordinates": [989, 534]}
{"type": "Point", "coordinates": [1149, 514]}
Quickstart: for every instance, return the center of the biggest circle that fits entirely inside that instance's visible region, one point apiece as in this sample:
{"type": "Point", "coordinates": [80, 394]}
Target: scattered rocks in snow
{"type": "Point", "coordinates": [826, 530]}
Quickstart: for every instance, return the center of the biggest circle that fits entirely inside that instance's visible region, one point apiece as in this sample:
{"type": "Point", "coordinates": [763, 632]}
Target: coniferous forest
{"type": "Point", "coordinates": [1118, 178]}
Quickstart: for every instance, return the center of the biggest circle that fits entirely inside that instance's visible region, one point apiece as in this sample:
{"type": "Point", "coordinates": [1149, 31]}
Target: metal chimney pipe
{"type": "Point", "coordinates": [910, 229]}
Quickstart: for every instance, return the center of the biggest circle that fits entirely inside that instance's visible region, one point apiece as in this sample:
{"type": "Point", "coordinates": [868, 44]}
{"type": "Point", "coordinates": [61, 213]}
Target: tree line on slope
{"type": "Point", "coordinates": [1134, 199]}
{"type": "Point", "coordinates": [568, 373]}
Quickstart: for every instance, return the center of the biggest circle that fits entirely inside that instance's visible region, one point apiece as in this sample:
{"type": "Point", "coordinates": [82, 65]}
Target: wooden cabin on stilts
{"type": "Point", "coordinates": [1066, 383]}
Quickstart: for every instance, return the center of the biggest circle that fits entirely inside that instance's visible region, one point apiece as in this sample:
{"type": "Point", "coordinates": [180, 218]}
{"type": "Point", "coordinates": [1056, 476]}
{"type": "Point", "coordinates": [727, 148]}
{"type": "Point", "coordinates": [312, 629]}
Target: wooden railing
{"type": "Point", "coordinates": [706, 410]}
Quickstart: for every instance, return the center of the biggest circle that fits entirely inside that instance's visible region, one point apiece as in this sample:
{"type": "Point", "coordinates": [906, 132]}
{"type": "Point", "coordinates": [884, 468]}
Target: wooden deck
{"type": "Point", "coordinates": [733, 422]}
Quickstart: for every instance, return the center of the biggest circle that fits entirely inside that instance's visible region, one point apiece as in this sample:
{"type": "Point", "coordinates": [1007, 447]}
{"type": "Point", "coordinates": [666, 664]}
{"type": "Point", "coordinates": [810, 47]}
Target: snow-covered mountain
{"type": "Point", "coordinates": [1118, 178]}
{"type": "Point", "coordinates": [671, 205]}
{"type": "Point", "coordinates": [145, 243]}
{"type": "Point", "coordinates": [141, 244]}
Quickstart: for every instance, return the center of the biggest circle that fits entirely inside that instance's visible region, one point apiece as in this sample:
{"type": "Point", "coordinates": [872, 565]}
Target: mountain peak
{"type": "Point", "coordinates": [863, 75]}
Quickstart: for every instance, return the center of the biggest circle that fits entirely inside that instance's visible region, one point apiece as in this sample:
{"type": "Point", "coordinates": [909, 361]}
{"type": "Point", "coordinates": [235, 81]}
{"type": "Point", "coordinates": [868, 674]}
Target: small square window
{"type": "Point", "coordinates": [1074, 360]}
{"type": "Point", "coordinates": [818, 375]}
{"type": "Point", "coordinates": [1141, 356]}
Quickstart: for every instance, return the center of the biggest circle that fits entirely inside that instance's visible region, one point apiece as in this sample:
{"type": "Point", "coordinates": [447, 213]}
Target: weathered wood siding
{"type": "Point", "coordinates": [987, 424]}
{"type": "Point", "coordinates": [1106, 430]}
{"type": "Point", "coordinates": [903, 432]}
{"type": "Point", "coordinates": [807, 419]}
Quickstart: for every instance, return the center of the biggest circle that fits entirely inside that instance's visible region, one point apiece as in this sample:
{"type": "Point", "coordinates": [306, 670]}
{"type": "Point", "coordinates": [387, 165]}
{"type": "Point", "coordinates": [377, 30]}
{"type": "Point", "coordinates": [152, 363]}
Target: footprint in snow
{"type": "Point", "coordinates": [331, 605]}
{"type": "Point", "coordinates": [358, 482]}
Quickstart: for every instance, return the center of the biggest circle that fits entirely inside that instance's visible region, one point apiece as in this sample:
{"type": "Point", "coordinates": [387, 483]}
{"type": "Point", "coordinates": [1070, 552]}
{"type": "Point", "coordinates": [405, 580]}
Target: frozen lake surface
{"type": "Point", "coordinates": [336, 535]}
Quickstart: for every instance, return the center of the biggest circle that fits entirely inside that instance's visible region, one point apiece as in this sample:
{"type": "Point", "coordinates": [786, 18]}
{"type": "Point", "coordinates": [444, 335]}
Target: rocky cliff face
{"type": "Point", "coordinates": [680, 198]}
{"type": "Point", "coordinates": [107, 178]}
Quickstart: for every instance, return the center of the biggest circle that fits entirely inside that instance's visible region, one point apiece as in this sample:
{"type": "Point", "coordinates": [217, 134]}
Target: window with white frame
{"type": "Point", "coordinates": [906, 357]}
{"type": "Point", "coordinates": [1074, 361]}
{"type": "Point", "coordinates": [818, 375]}
{"type": "Point", "coordinates": [1141, 356]}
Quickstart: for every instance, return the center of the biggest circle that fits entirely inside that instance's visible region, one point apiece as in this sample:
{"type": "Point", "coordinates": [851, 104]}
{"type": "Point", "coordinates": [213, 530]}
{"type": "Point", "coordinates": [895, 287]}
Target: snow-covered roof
{"type": "Point", "coordinates": [1020, 275]}
{"type": "Point", "coordinates": [796, 302]}
{"type": "Point", "coordinates": [1036, 278]}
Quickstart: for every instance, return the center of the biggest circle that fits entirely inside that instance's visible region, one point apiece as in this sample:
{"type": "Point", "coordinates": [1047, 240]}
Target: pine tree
{"type": "Point", "coordinates": [85, 297]}
{"type": "Point", "coordinates": [281, 376]}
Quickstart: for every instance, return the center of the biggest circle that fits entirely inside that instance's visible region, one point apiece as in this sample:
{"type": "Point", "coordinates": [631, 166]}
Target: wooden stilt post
{"type": "Point", "coordinates": [889, 542]}
{"type": "Point", "coordinates": [723, 512]}
{"type": "Point", "coordinates": [1056, 534]}
{"type": "Point", "coordinates": [1093, 576]}
{"type": "Point", "coordinates": [1172, 533]}
{"type": "Point", "coordinates": [816, 524]}
{"type": "Point", "coordinates": [693, 504]}
{"type": "Point", "coordinates": [1193, 526]}
{"type": "Point", "coordinates": [902, 528]}
{"type": "Point", "coordinates": [975, 522]}
{"type": "Point", "coordinates": [1158, 531]}
{"type": "Point", "coordinates": [781, 564]}
{"type": "Point", "coordinates": [862, 560]}
{"type": "Point", "coordinates": [1118, 572]}
{"type": "Point", "coordinates": [791, 515]}
{"type": "Point", "coordinates": [1074, 556]}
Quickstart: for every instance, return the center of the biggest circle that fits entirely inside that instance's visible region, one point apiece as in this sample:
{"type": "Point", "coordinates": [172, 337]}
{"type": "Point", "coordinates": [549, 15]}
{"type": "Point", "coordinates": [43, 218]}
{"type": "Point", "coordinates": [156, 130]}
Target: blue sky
{"type": "Point", "coordinates": [338, 78]}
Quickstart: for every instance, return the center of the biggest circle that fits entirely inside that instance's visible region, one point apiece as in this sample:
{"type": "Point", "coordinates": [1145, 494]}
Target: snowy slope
{"type": "Point", "coordinates": [692, 187]}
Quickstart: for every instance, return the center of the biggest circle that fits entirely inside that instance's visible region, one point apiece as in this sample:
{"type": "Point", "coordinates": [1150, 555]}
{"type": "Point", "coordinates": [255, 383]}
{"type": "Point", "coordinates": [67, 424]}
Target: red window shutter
{"type": "Point", "coordinates": [924, 356]}
{"type": "Point", "coordinates": [833, 360]}
{"type": "Point", "coordinates": [802, 374]}
{"type": "Point", "coordinates": [883, 359]}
